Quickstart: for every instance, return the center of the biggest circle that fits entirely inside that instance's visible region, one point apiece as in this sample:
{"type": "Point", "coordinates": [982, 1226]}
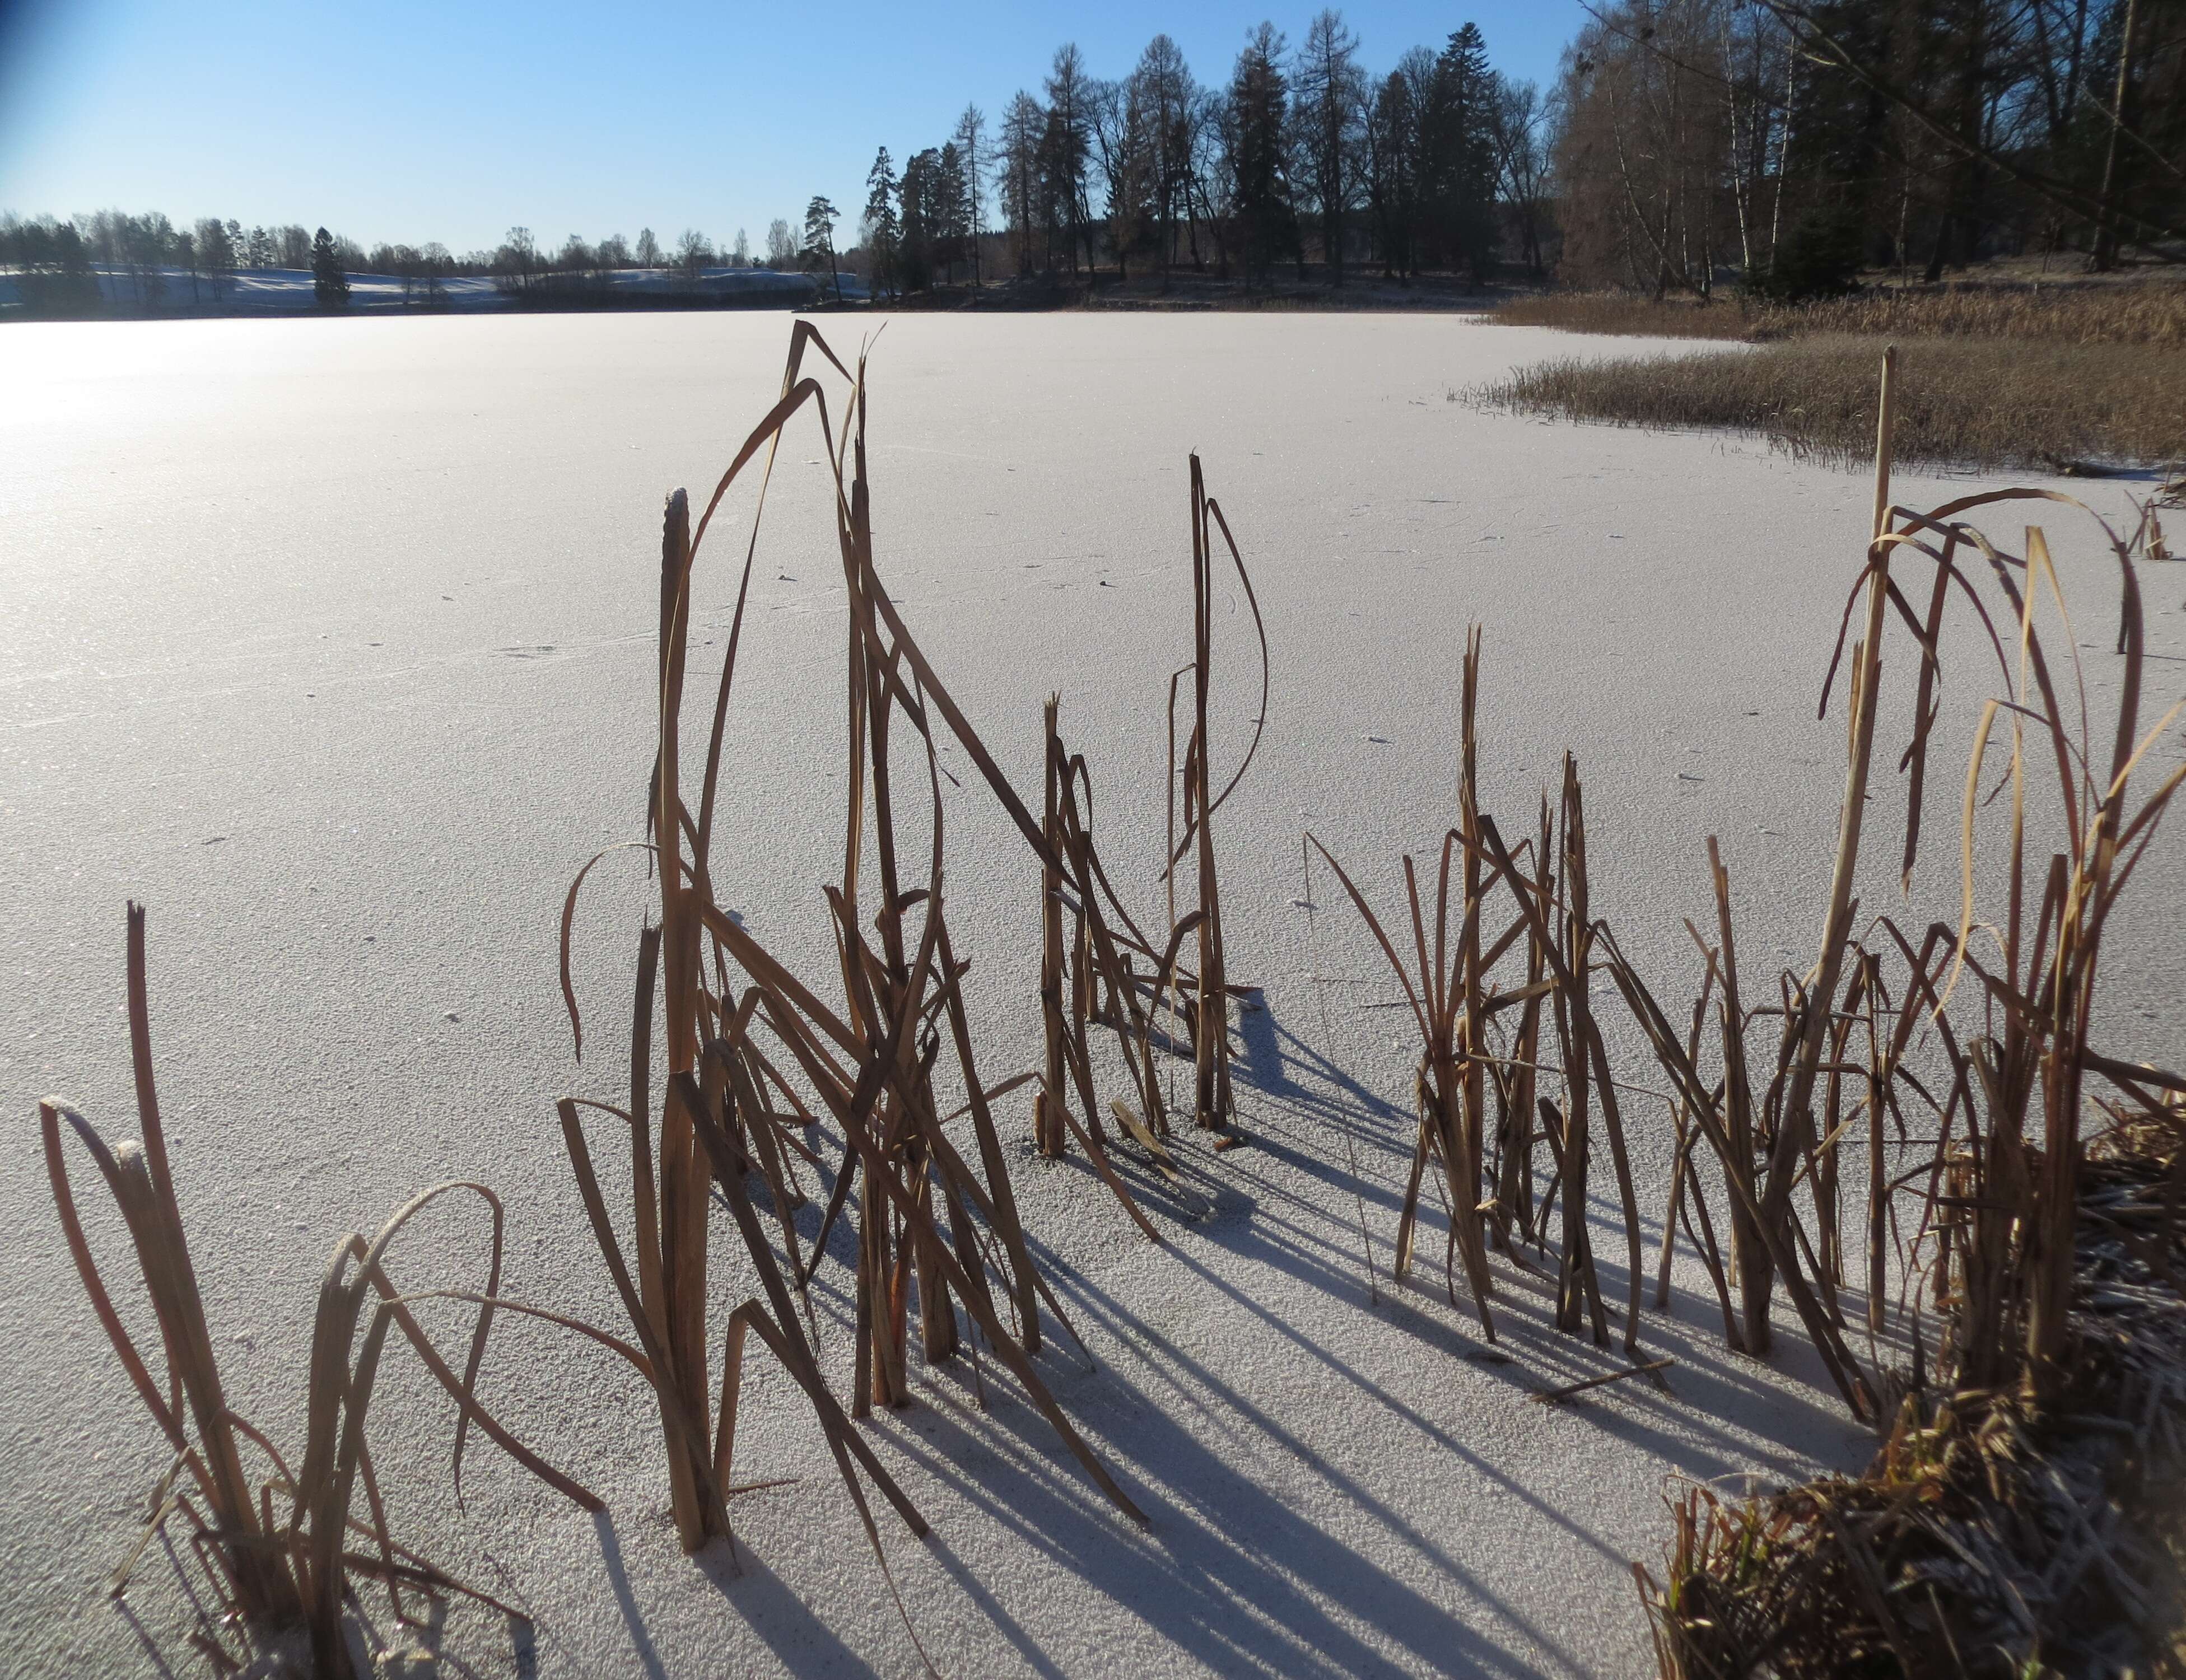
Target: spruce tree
{"type": "Point", "coordinates": [1460, 162]}
{"type": "Point", "coordinates": [329, 284]}
{"type": "Point", "coordinates": [1260, 115]}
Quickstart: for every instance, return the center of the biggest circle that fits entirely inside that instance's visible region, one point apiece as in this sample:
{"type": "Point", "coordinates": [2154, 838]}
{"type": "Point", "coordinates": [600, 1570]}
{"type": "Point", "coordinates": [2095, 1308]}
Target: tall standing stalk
{"type": "Point", "coordinates": [1211, 1103]}
{"type": "Point", "coordinates": [1795, 1134]}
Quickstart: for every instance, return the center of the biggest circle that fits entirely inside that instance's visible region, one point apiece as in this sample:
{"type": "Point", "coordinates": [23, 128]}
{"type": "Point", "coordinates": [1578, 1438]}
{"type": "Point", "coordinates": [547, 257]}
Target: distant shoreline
{"type": "Point", "coordinates": [288, 294]}
{"type": "Point", "coordinates": [169, 294]}
{"type": "Point", "coordinates": [1361, 291]}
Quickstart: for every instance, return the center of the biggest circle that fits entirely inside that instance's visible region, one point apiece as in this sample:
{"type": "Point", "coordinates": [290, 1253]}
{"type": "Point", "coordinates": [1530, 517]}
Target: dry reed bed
{"type": "Point", "coordinates": [750, 1069]}
{"type": "Point", "coordinates": [2019, 1249]}
{"type": "Point", "coordinates": [2067, 407]}
{"type": "Point", "coordinates": [1925, 1095]}
{"type": "Point", "coordinates": [2092, 376]}
{"type": "Point", "coordinates": [1995, 1185]}
{"type": "Point", "coordinates": [755, 1057]}
{"type": "Point", "coordinates": [2152, 312]}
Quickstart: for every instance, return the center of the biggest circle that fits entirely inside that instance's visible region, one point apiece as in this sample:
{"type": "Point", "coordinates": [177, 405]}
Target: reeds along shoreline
{"type": "Point", "coordinates": [2001, 1003]}
{"type": "Point", "coordinates": [2149, 313]}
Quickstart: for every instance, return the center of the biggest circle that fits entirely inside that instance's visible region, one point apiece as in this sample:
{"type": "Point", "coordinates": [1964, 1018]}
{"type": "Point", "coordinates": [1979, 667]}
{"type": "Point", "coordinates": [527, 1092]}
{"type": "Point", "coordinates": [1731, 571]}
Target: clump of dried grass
{"type": "Point", "coordinates": [1991, 1536]}
{"type": "Point", "coordinates": [1981, 402]}
{"type": "Point", "coordinates": [279, 1547]}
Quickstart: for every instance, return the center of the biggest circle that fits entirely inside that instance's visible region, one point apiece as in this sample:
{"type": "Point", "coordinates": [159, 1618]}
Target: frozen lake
{"type": "Point", "coordinates": [333, 642]}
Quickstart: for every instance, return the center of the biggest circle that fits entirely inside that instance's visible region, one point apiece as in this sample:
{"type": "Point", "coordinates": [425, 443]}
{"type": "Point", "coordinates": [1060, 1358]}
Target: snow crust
{"type": "Point", "coordinates": [333, 642]}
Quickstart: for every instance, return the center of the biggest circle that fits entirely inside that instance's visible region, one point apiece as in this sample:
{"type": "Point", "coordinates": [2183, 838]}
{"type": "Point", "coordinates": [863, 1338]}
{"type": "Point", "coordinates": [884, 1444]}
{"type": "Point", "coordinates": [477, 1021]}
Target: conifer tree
{"type": "Point", "coordinates": [1259, 113]}
{"type": "Point", "coordinates": [971, 142]}
{"type": "Point", "coordinates": [329, 284]}
{"type": "Point", "coordinates": [1331, 99]}
{"type": "Point", "coordinates": [1018, 177]}
{"type": "Point", "coordinates": [882, 230]}
{"type": "Point", "coordinates": [215, 244]}
{"type": "Point", "coordinates": [820, 238]}
{"type": "Point", "coordinates": [1460, 153]}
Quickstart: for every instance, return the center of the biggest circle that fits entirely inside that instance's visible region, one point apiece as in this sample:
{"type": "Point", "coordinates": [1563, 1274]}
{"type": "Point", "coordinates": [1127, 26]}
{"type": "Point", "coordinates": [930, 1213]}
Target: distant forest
{"type": "Point", "coordinates": [154, 263]}
{"type": "Point", "coordinates": [1784, 146]}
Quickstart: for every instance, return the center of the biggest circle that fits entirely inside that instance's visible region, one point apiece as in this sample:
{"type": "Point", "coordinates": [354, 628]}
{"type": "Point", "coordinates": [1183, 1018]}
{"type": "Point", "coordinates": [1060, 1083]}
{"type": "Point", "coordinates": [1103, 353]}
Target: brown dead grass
{"type": "Point", "coordinates": [2048, 404]}
{"type": "Point", "coordinates": [2148, 313]}
{"type": "Point", "coordinates": [1967, 1547]}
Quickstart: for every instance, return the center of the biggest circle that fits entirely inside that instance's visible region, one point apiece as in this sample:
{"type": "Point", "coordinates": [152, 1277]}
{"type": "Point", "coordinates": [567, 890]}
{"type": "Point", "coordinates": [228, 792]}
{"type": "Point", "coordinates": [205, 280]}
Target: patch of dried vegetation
{"type": "Point", "coordinates": [1989, 1537]}
{"type": "Point", "coordinates": [2050, 405]}
{"type": "Point", "coordinates": [2062, 379]}
{"type": "Point", "coordinates": [2148, 313]}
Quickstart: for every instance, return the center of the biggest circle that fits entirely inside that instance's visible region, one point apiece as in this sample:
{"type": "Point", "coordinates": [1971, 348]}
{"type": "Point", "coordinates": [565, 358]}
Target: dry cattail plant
{"type": "Point", "coordinates": [281, 1547]}
{"type": "Point", "coordinates": [1094, 976]}
{"type": "Point", "coordinates": [751, 1062]}
{"type": "Point", "coordinates": [1476, 1092]}
{"type": "Point", "coordinates": [1980, 1029]}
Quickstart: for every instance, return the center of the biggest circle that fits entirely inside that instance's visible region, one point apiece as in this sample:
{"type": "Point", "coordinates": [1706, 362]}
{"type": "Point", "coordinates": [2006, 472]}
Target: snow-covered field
{"type": "Point", "coordinates": [271, 290]}
{"type": "Point", "coordinates": [331, 641]}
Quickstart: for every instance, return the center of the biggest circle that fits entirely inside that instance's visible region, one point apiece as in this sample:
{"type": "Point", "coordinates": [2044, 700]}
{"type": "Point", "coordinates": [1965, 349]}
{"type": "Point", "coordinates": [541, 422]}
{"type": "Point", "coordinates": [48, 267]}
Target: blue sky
{"type": "Point", "coordinates": [452, 120]}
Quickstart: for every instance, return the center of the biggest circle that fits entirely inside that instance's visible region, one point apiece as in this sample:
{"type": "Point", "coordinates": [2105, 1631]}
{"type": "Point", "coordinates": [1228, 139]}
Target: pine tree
{"type": "Point", "coordinates": [329, 284]}
{"type": "Point", "coordinates": [215, 245]}
{"type": "Point", "coordinates": [919, 219]}
{"type": "Point", "coordinates": [1170, 100]}
{"type": "Point", "coordinates": [952, 195]}
{"type": "Point", "coordinates": [882, 230]}
{"type": "Point", "coordinates": [1023, 122]}
{"type": "Point", "coordinates": [820, 238]}
{"type": "Point", "coordinates": [970, 140]}
{"type": "Point", "coordinates": [1330, 96]}
{"type": "Point", "coordinates": [1067, 149]}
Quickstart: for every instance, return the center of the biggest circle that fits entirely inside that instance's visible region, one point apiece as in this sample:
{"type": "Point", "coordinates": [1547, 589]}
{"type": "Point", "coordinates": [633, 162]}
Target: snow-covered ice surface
{"type": "Point", "coordinates": [333, 641]}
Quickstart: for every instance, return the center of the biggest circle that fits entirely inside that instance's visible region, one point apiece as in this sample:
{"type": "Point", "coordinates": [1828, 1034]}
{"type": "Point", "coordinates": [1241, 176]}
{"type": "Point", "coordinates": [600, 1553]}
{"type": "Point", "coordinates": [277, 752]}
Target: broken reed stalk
{"type": "Point", "coordinates": [1048, 1135]}
{"type": "Point", "coordinates": [1100, 978]}
{"type": "Point", "coordinates": [1211, 1103]}
{"type": "Point", "coordinates": [1454, 1000]}
{"type": "Point", "coordinates": [1795, 1132]}
{"type": "Point", "coordinates": [271, 1572]}
{"type": "Point", "coordinates": [933, 1235]}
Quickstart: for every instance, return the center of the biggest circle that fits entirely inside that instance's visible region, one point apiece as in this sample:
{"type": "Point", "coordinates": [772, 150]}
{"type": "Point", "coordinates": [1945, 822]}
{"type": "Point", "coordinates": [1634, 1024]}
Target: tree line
{"type": "Point", "coordinates": [1781, 145]}
{"type": "Point", "coordinates": [1440, 163]}
{"type": "Point", "coordinates": [153, 262]}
